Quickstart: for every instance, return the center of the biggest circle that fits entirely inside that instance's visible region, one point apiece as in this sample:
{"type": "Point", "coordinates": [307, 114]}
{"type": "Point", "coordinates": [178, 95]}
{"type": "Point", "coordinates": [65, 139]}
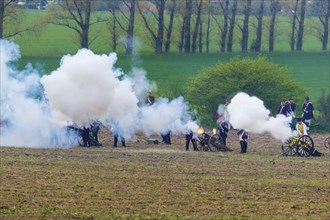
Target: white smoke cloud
{"type": "Point", "coordinates": [138, 78]}
{"type": "Point", "coordinates": [86, 86]}
{"type": "Point", "coordinates": [165, 115]}
{"type": "Point", "coordinates": [249, 113]}
{"type": "Point", "coordinates": [222, 113]}
{"type": "Point", "coordinates": [23, 121]}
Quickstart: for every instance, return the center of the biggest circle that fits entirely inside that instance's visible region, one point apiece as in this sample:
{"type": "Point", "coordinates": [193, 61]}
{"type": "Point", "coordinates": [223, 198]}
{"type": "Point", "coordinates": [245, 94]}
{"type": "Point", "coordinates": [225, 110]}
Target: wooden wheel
{"type": "Point", "coordinates": [289, 148]}
{"type": "Point", "coordinates": [327, 142]}
{"type": "Point", "coordinates": [199, 146]}
{"type": "Point", "coordinates": [214, 143]}
{"type": "Point", "coordinates": [305, 146]}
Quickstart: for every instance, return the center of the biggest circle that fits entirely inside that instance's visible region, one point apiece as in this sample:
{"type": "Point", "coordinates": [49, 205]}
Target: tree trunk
{"type": "Point", "coordinates": [231, 27]}
{"type": "Point", "coordinates": [182, 36]}
{"type": "Point", "coordinates": [272, 25]}
{"type": "Point", "coordinates": [293, 27]}
{"type": "Point", "coordinates": [200, 46]}
{"type": "Point", "coordinates": [170, 28]}
{"type": "Point", "coordinates": [114, 36]}
{"type": "Point", "coordinates": [300, 35]}
{"type": "Point", "coordinates": [84, 38]}
{"type": "Point", "coordinates": [259, 28]}
{"type": "Point", "coordinates": [160, 34]}
{"type": "Point", "coordinates": [207, 40]}
{"type": "Point", "coordinates": [187, 21]}
{"type": "Point", "coordinates": [130, 29]}
{"type": "Point", "coordinates": [2, 15]}
{"type": "Point", "coordinates": [85, 26]}
{"type": "Point", "coordinates": [198, 21]}
{"type": "Point", "coordinates": [326, 29]}
{"type": "Point", "coordinates": [245, 30]}
{"type": "Point", "coordinates": [225, 26]}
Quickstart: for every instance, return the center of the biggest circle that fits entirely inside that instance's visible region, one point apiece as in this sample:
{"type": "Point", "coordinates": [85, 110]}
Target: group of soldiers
{"type": "Point", "coordinates": [116, 129]}
{"type": "Point", "coordinates": [304, 122]}
{"type": "Point", "coordinates": [286, 108]}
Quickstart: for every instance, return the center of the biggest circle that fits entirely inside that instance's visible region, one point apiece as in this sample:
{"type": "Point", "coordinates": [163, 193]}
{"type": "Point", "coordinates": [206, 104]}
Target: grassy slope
{"type": "Point", "coordinates": [171, 71]}
{"type": "Point", "coordinates": [55, 40]}
{"type": "Point", "coordinates": [160, 183]}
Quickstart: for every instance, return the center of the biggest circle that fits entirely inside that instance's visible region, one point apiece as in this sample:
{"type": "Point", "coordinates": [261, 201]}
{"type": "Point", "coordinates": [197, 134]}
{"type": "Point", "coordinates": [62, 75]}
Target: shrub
{"type": "Point", "coordinates": [255, 76]}
{"type": "Point", "coordinates": [323, 108]}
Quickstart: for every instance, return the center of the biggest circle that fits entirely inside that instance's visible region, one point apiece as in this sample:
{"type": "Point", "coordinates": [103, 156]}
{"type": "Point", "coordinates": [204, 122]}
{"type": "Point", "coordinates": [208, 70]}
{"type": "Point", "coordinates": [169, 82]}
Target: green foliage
{"type": "Point", "coordinates": [323, 107]}
{"type": "Point", "coordinates": [309, 68]}
{"type": "Point", "coordinates": [255, 76]}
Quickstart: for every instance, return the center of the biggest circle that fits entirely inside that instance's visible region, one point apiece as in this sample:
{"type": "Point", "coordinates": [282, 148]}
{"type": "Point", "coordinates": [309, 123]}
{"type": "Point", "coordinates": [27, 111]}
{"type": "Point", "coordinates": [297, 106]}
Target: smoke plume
{"type": "Point", "coordinates": [23, 120]}
{"type": "Point", "coordinates": [85, 87]}
{"type": "Point", "coordinates": [249, 113]}
{"type": "Point", "coordinates": [165, 115]}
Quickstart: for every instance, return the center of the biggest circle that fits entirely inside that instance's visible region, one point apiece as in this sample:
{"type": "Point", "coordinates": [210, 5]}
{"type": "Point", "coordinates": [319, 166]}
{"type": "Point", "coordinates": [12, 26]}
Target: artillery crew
{"type": "Point", "coordinates": [223, 131]}
{"type": "Point", "coordinates": [301, 127]}
{"type": "Point", "coordinates": [243, 137]}
{"type": "Point", "coordinates": [307, 112]}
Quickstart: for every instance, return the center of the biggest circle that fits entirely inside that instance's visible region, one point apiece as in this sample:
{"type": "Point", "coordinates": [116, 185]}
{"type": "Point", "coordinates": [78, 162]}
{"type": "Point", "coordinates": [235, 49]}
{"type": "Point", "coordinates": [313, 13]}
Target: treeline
{"type": "Point", "coordinates": [252, 23]}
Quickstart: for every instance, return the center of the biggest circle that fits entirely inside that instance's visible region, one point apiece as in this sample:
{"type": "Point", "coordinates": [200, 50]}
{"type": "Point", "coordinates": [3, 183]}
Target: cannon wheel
{"type": "Point", "coordinates": [215, 143]}
{"type": "Point", "coordinates": [200, 147]}
{"type": "Point", "coordinates": [288, 148]}
{"type": "Point", "coordinates": [93, 142]}
{"type": "Point", "coordinates": [305, 146]}
{"type": "Point", "coordinates": [327, 142]}
{"type": "Point", "coordinates": [71, 137]}
{"type": "Point", "coordinates": [80, 141]}
{"type": "Point", "coordinates": [67, 136]}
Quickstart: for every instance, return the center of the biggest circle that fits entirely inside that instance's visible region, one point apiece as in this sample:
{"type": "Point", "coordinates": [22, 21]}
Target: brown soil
{"type": "Point", "coordinates": [258, 143]}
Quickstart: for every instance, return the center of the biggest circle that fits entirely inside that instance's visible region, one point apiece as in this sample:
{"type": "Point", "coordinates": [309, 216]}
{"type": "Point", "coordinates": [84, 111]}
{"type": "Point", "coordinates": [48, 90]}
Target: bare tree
{"type": "Point", "coordinates": [225, 9]}
{"type": "Point", "coordinates": [181, 10]}
{"type": "Point", "coordinates": [113, 7]}
{"type": "Point", "coordinates": [273, 11]}
{"type": "Point", "coordinates": [11, 20]}
{"type": "Point", "coordinates": [293, 26]}
{"type": "Point", "coordinates": [200, 41]}
{"type": "Point", "coordinates": [197, 26]}
{"type": "Point", "coordinates": [76, 15]}
{"type": "Point", "coordinates": [321, 9]}
{"type": "Point", "coordinates": [231, 27]}
{"type": "Point", "coordinates": [181, 41]}
{"type": "Point", "coordinates": [114, 30]}
{"type": "Point", "coordinates": [300, 34]}
{"type": "Point", "coordinates": [169, 29]}
{"type": "Point", "coordinates": [325, 22]}
{"type": "Point", "coordinates": [260, 15]}
{"type": "Point", "coordinates": [187, 21]}
{"type": "Point", "coordinates": [4, 6]}
{"type": "Point", "coordinates": [222, 22]}
{"type": "Point", "coordinates": [159, 17]}
{"type": "Point", "coordinates": [207, 40]}
{"type": "Point", "coordinates": [245, 28]}
{"type": "Point", "coordinates": [127, 22]}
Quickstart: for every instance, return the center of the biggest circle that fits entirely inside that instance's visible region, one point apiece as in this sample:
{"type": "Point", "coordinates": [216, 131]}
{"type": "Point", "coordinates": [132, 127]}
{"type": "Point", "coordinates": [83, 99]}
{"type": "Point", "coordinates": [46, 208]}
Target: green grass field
{"type": "Point", "coordinates": [170, 71]}
{"type": "Point", "coordinates": [54, 40]}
